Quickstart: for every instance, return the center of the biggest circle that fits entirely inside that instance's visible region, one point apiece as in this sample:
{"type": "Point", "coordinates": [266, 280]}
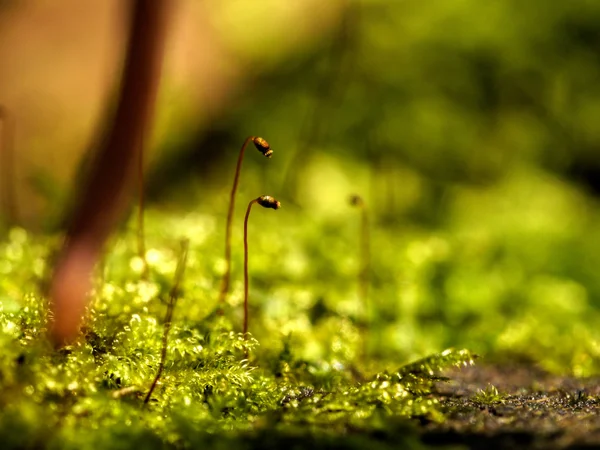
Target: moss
{"type": "Point", "coordinates": [488, 396]}
{"type": "Point", "coordinates": [306, 374]}
{"type": "Point", "coordinates": [90, 394]}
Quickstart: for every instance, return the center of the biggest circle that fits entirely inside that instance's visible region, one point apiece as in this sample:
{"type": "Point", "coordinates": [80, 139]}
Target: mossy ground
{"type": "Point", "coordinates": [509, 284]}
{"type": "Point", "coordinates": [534, 409]}
{"type": "Point", "coordinates": [91, 394]}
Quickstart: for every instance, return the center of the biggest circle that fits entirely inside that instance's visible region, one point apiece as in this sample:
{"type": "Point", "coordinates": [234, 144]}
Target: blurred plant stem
{"type": "Point", "coordinates": [7, 168]}
{"type": "Point", "coordinates": [104, 198]}
{"type": "Point", "coordinates": [329, 91]}
{"type": "Point", "coordinates": [365, 257]}
{"type": "Point", "coordinates": [141, 238]}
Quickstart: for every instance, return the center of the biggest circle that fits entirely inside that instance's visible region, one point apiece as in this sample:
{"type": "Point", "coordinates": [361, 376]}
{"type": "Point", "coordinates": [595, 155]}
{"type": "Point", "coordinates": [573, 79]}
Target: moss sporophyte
{"type": "Point", "coordinates": [266, 202]}
{"type": "Point", "coordinates": [262, 146]}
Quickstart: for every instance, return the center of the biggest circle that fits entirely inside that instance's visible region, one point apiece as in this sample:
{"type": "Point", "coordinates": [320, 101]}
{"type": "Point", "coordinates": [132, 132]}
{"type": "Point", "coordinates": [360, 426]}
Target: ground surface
{"type": "Point", "coordinates": [537, 410]}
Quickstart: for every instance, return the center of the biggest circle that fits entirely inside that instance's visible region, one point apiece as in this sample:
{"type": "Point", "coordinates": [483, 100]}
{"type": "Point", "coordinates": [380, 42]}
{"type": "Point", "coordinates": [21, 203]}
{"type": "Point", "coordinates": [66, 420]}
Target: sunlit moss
{"type": "Point", "coordinates": [471, 285]}
{"type": "Point", "coordinates": [488, 396]}
{"type": "Point", "coordinates": [96, 385]}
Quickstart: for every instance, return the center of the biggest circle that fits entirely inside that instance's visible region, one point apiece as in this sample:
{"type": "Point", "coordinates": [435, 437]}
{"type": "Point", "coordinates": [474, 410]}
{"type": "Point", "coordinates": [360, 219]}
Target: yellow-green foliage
{"type": "Point", "coordinates": [90, 394]}
{"type": "Point", "coordinates": [498, 281]}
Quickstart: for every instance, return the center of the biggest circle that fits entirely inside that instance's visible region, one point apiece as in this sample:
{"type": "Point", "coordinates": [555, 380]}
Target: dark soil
{"type": "Point", "coordinates": [537, 410]}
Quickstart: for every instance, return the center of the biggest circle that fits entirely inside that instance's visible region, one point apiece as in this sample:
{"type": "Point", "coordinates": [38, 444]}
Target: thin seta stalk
{"type": "Point", "coordinates": [266, 202]}
{"type": "Point", "coordinates": [173, 296]}
{"type": "Point", "coordinates": [263, 147]}
{"type": "Point", "coordinates": [7, 167]}
{"type": "Point", "coordinates": [365, 260]}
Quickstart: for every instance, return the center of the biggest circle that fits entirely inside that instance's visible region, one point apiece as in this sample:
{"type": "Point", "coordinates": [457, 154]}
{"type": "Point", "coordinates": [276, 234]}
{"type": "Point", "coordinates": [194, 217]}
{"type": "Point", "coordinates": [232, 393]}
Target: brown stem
{"type": "Point", "coordinates": [7, 167]}
{"type": "Point", "coordinates": [104, 199]}
{"type": "Point", "coordinates": [246, 266]}
{"type": "Point", "coordinates": [173, 296]}
{"type": "Point", "coordinates": [265, 149]}
{"type": "Point", "coordinates": [266, 202]}
{"type": "Point", "coordinates": [227, 275]}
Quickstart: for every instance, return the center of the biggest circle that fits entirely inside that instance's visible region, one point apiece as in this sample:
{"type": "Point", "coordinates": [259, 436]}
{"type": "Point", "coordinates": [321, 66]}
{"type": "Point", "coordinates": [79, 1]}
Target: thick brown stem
{"type": "Point", "coordinates": [106, 195]}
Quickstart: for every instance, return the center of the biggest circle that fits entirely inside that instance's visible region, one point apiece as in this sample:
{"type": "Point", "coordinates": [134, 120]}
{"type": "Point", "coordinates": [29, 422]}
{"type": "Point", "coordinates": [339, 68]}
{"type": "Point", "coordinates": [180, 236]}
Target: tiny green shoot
{"type": "Point", "coordinates": [488, 396]}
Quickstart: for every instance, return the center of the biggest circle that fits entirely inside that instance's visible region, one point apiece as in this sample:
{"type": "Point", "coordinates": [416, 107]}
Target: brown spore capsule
{"type": "Point", "coordinates": [263, 146]}
{"type": "Point", "coordinates": [266, 201]}
{"type": "Point", "coordinates": [356, 200]}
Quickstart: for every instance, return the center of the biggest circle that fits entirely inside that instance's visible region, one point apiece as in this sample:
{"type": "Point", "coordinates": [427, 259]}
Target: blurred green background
{"type": "Point", "coordinates": [469, 127]}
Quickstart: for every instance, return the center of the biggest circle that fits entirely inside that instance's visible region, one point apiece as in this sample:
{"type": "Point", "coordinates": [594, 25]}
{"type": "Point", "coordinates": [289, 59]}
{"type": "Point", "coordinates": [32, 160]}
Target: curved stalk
{"type": "Point", "coordinates": [263, 147]}
{"type": "Point", "coordinates": [266, 202]}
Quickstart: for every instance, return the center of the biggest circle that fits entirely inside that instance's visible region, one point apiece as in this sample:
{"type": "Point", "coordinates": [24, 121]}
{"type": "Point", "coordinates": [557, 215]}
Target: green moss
{"type": "Point", "coordinates": [306, 375]}
{"type": "Point", "coordinates": [90, 394]}
{"type": "Point", "coordinates": [488, 396]}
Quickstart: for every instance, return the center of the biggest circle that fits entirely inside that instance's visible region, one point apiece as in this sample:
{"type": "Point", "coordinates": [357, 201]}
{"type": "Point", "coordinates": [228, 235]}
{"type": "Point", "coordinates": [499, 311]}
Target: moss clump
{"type": "Point", "coordinates": [430, 290]}
{"type": "Point", "coordinates": [488, 396]}
{"type": "Point", "coordinates": [91, 394]}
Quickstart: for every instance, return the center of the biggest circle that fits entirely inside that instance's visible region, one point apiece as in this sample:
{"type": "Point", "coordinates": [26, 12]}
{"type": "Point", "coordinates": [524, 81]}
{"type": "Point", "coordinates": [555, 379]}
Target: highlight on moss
{"type": "Point", "coordinates": [262, 146]}
{"type": "Point", "coordinates": [265, 201]}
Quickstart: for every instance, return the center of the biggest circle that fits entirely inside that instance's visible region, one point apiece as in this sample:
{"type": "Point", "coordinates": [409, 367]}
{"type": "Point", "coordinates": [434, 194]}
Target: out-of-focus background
{"type": "Point", "coordinates": [60, 65]}
{"type": "Point", "coordinates": [417, 96]}
{"type": "Point", "coordinates": [470, 128]}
